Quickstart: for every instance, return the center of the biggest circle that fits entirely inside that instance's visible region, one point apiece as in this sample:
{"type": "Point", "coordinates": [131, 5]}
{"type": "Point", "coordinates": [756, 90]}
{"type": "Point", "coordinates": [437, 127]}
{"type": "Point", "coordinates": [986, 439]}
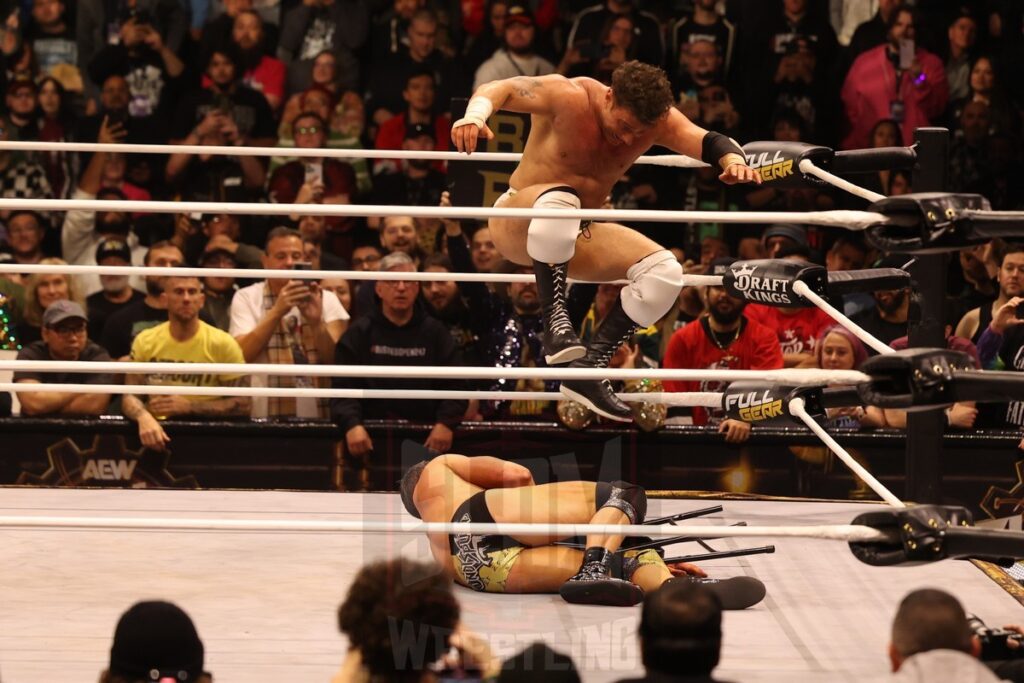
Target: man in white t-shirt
{"type": "Point", "coordinates": [287, 322]}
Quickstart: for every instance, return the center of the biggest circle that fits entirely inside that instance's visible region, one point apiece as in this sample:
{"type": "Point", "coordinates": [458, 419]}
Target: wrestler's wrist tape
{"type": "Point", "coordinates": [718, 149]}
{"type": "Point", "coordinates": [478, 111]}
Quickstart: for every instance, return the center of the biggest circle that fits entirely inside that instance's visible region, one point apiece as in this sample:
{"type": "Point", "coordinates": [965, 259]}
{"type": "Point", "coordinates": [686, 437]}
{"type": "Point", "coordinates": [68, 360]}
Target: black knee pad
{"type": "Point", "coordinates": [628, 498]}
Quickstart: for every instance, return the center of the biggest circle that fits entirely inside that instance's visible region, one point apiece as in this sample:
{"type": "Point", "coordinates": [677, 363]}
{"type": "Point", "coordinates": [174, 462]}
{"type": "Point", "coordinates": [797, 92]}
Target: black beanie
{"type": "Point", "coordinates": [155, 640]}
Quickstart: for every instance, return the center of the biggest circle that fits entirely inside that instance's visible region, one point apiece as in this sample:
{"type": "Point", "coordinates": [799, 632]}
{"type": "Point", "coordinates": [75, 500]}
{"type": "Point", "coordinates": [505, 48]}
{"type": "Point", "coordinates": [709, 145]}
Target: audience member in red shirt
{"type": "Point", "coordinates": [797, 328]}
{"type": "Point", "coordinates": [313, 180]}
{"type": "Point", "coordinates": [723, 339]}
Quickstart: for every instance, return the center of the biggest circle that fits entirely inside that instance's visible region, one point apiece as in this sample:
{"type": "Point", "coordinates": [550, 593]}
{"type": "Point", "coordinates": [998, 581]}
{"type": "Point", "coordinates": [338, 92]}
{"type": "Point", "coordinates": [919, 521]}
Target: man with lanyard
{"type": "Point", "coordinates": [517, 57]}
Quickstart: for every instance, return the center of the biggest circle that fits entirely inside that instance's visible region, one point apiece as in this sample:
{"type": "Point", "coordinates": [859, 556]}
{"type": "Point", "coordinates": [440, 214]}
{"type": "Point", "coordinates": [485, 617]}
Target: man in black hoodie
{"type": "Point", "coordinates": [396, 332]}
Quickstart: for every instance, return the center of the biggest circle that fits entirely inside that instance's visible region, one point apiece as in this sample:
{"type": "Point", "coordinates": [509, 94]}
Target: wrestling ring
{"type": "Point", "coordinates": [262, 572]}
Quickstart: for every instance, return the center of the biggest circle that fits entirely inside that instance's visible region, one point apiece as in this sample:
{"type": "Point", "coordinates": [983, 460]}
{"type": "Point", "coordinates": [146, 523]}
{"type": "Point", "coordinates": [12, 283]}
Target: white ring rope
{"type": "Point", "coordinates": [672, 160]}
{"type": "Point", "coordinates": [833, 532]}
{"type": "Point", "coordinates": [848, 220]}
{"type": "Point", "coordinates": [798, 409]}
{"type": "Point", "coordinates": [805, 291]}
{"type": "Point", "coordinates": [263, 274]}
{"type": "Point", "coordinates": [702, 399]}
{"type": "Point", "coordinates": [792, 376]}
{"type": "Point", "coordinates": [807, 167]}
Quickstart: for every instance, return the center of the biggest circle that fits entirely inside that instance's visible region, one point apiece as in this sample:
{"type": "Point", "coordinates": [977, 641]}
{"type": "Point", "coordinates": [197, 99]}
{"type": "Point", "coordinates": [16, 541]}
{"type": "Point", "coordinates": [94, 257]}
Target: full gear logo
{"type": "Point", "coordinates": [770, 168]}
{"type": "Point", "coordinates": [769, 290]}
{"type": "Point", "coordinates": [108, 464]}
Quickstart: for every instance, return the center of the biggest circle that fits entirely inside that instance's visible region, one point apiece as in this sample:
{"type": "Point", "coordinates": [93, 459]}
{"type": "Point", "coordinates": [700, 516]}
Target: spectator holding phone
{"type": "Point", "coordinates": [314, 180]}
{"type": "Point", "coordinates": [897, 80]}
{"type": "Point", "coordinates": [285, 321]}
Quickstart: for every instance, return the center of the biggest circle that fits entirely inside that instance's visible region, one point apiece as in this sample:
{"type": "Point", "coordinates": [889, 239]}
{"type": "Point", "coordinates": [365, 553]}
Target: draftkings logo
{"type": "Point", "coordinates": [109, 464]}
{"type": "Point", "coordinates": [769, 290]}
{"type": "Point", "coordinates": [999, 503]}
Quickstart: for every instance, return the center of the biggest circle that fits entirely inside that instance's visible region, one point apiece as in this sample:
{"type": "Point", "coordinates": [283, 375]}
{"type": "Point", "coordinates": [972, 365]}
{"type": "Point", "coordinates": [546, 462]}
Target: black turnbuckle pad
{"type": "Point", "coordinates": [912, 379]}
{"type": "Point", "coordinates": [928, 222]}
{"type": "Point", "coordinates": [771, 281]}
{"type": "Point", "coordinates": [918, 534]}
{"type": "Point", "coordinates": [778, 163]}
{"type": "Point", "coordinates": [764, 401]}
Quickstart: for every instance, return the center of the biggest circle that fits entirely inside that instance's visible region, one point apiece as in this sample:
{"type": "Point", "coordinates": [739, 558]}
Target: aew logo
{"type": "Point", "coordinates": [753, 406]}
{"type": "Point", "coordinates": [775, 168]}
{"type": "Point", "coordinates": [769, 290]}
{"type": "Point", "coordinates": [107, 463]}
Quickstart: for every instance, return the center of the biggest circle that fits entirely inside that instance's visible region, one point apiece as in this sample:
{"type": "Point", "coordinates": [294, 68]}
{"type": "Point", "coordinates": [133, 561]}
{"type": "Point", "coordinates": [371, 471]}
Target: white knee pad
{"type": "Point", "coordinates": [654, 284]}
{"type": "Point", "coordinates": [553, 240]}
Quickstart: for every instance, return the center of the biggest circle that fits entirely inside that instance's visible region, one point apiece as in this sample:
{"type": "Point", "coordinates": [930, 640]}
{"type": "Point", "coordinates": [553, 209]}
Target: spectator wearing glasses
{"type": "Point", "coordinates": [396, 331]}
{"type": "Point", "coordinates": [288, 322]}
{"type": "Point", "coordinates": [314, 180]}
{"type": "Point", "coordinates": [65, 338]}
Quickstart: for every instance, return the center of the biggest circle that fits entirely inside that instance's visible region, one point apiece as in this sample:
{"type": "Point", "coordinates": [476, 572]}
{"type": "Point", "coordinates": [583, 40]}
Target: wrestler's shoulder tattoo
{"type": "Point", "coordinates": [526, 85]}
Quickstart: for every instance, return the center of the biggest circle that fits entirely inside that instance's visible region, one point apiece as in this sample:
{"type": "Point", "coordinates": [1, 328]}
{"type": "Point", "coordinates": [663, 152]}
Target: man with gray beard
{"type": "Point", "coordinates": [116, 292]}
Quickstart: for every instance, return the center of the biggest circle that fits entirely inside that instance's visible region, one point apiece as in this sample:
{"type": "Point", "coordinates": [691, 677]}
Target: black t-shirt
{"type": "Point", "coordinates": [123, 326]}
{"type": "Point", "coordinates": [148, 80]}
{"type": "Point", "coordinates": [389, 77]}
{"type": "Point", "coordinates": [400, 189]}
{"type": "Point", "coordinates": [100, 308]}
{"type": "Point", "coordinates": [881, 329]}
{"type": "Point", "coordinates": [38, 351]}
{"type": "Point", "coordinates": [247, 107]}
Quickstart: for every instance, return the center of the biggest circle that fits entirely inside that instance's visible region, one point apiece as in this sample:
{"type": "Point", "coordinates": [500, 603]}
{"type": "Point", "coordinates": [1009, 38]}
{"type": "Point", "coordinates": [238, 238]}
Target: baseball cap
{"type": "Point", "coordinates": [113, 247]}
{"type": "Point", "coordinates": [797, 233]}
{"type": "Point", "coordinates": [62, 310]}
{"type": "Point", "coordinates": [154, 640]}
{"type": "Point", "coordinates": [519, 14]}
{"type": "Point", "coordinates": [415, 130]}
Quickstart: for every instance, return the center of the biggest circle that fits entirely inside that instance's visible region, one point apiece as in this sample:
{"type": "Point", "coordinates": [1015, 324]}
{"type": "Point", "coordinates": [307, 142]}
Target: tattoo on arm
{"type": "Point", "coordinates": [525, 87]}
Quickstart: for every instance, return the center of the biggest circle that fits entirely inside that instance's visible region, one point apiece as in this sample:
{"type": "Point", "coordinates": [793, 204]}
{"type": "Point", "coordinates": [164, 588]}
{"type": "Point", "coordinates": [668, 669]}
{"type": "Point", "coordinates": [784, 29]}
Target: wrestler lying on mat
{"type": "Point", "coordinates": [484, 489]}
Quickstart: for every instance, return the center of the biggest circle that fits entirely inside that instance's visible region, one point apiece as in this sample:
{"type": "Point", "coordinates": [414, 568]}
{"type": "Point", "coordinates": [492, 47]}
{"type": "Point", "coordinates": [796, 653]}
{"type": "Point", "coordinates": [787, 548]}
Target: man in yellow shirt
{"type": "Point", "coordinates": [184, 338]}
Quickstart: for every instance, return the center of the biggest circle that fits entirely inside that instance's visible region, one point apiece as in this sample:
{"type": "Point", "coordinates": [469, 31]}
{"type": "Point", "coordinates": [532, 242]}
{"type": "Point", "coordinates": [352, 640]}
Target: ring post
{"type": "Point", "coordinates": [925, 429]}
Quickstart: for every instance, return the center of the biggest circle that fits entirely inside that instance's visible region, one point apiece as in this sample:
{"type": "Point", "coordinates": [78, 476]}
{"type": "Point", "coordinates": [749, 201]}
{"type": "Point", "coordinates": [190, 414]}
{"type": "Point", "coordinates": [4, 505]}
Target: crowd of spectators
{"type": "Point", "coordinates": [333, 74]}
{"type": "Point", "coordinates": [392, 604]}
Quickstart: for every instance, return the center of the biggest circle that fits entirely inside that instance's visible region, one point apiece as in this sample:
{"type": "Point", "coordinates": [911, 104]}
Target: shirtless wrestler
{"type": "Point", "coordinates": [457, 488]}
{"type": "Point", "coordinates": [584, 136]}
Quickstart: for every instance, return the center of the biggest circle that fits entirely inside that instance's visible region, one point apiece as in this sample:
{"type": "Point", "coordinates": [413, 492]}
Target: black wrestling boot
{"type": "Point", "coordinates": [599, 395]}
{"type": "Point", "coordinates": [735, 593]}
{"type": "Point", "coordinates": [561, 344]}
{"type": "Point", "coordinates": [594, 585]}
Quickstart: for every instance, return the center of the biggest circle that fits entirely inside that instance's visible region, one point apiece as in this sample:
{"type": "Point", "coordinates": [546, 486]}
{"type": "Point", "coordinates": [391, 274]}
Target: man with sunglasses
{"type": "Point", "coordinates": [64, 339]}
